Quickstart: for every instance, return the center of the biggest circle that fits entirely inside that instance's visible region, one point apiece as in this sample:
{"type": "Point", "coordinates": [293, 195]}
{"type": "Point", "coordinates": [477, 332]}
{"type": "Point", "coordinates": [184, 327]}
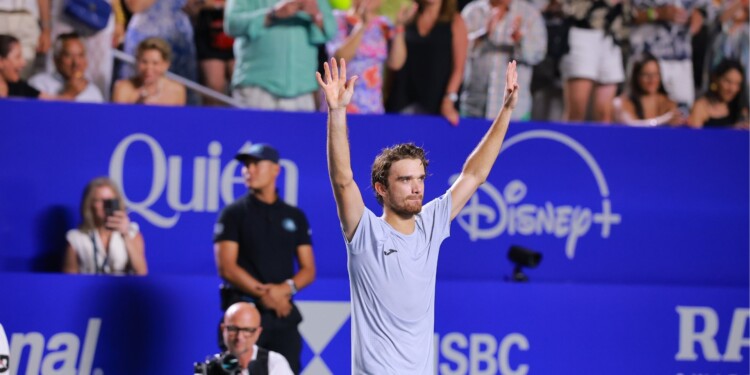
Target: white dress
{"type": "Point", "coordinates": [92, 259]}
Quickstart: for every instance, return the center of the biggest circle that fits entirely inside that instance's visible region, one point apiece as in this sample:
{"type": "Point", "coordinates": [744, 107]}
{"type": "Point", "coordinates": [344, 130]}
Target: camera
{"type": "Point", "coordinates": [220, 364]}
{"type": "Point", "coordinates": [110, 206]}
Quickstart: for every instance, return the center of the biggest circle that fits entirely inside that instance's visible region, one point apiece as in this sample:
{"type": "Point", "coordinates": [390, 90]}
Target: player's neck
{"type": "Point", "coordinates": [401, 223]}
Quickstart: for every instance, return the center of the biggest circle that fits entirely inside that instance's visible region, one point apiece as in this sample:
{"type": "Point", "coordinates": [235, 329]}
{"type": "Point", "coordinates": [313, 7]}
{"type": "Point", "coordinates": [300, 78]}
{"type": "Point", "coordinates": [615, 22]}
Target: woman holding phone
{"type": "Point", "coordinates": [106, 241]}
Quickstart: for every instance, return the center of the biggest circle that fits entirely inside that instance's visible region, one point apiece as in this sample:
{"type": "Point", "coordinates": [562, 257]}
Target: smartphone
{"type": "Point", "coordinates": [110, 206]}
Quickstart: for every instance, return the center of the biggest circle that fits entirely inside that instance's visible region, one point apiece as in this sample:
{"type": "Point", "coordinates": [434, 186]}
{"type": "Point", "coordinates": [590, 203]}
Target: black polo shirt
{"type": "Point", "coordinates": [268, 236]}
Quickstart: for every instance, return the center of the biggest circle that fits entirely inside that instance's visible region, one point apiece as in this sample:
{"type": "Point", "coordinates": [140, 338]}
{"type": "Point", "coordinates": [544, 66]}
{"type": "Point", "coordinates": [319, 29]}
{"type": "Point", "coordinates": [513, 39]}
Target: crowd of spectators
{"type": "Point", "coordinates": [637, 62]}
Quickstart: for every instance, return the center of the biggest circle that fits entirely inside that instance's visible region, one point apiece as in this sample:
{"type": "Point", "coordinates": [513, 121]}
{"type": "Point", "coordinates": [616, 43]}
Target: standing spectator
{"type": "Point", "coordinates": [645, 101]}
{"type": "Point", "coordinates": [664, 28]}
{"type": "Point", "coordinates": [546, 81]}
{"type": "Point", "coordinates": [436, 43]}
{"type": "Point", "coordinates": [164, 19]}
{"type": "Point", "coordinates": [256, 241]}
{"type": "Point", "coordinates": [593, 63]}
{"type": "Point", "coordinates": [106, 241]}
{"type": "Point", "coordinates": [276, 49]}
{"type": "Point", "coordinates": [69, 82]}
{"type": "Point", "coordinates": [733, 40]}
{"type": "Point", "coordinates": [214, 47]}
{"type": "Point", "coordinates": [150, 85]}
{"type": "Point", "coordinates": [98, 44]}
{"type": "Point", "coordinates": [723, 104]}
{"type": "Point", "coordinates": [28, 21]}
{"type": "Point", "coordinates": [500, 31]}
{"type": "Point", "coordinates": [11, 65]}
{"type": "Point", "coordinates": [368, 40]}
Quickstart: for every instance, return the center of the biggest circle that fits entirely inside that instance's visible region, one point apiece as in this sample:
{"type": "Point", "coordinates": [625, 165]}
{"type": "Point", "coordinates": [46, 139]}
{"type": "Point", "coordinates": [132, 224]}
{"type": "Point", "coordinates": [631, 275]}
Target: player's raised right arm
{"type": "Point", "coordinates": [338, 92]}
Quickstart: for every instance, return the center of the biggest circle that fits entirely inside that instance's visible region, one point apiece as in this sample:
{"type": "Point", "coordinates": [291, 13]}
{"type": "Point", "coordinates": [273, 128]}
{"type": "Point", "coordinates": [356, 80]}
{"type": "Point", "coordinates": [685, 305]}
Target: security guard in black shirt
{"type": "Point", "coordinates": [256, 241]}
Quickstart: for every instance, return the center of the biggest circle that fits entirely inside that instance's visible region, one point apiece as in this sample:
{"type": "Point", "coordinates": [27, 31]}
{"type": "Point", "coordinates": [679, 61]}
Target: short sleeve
{"type": "Point", "coordinates": [227, 228]}
{"type": "Point", "coordinates": [364, 234]}
{"type": "Point", "coordinates": [304, 233]}
{"type": "Point", "coordinates": [436, 217]}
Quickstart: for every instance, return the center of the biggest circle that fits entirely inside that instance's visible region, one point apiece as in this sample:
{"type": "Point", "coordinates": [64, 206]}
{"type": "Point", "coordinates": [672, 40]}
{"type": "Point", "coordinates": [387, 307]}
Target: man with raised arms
{"type": "Point", "coordinates": [392, 259]}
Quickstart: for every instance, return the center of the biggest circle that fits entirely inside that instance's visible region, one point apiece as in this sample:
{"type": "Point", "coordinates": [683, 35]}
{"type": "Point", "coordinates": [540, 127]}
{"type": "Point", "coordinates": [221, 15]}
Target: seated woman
{"type": "Point", "coordinates": [150, 85]}
{"type": "Point", "coordinates": [11, 65]}
{"type": "Point", "coordinates": [106, 241]}
{"type": "Point", "coordinates": [645, 101]}
{"type": "Point", "coordinates": [722, 105]}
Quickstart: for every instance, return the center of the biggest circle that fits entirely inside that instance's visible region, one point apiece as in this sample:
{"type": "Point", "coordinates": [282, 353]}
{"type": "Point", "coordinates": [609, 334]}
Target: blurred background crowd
{"type": "Point", "coordinates": [633, 62]}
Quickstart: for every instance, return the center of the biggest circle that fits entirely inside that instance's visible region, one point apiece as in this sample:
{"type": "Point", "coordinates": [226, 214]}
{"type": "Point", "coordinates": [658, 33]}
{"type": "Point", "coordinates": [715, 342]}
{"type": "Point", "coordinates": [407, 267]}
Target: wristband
{"type": "Point", "coordinates": [452, 96]}
{"type": "Point", "coordinates": [293, 287]}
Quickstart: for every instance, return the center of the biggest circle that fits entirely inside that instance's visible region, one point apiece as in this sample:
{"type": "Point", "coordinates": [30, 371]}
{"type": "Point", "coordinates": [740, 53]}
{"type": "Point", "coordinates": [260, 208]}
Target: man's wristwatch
{"type": "Point", "coordinates": [452, 96]}
{"type": "Point", "coordinates": [292, 286]}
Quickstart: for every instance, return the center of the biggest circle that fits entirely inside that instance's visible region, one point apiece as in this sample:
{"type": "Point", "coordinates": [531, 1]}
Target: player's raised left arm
{"type": "Point", "coordinates": [480, 161]}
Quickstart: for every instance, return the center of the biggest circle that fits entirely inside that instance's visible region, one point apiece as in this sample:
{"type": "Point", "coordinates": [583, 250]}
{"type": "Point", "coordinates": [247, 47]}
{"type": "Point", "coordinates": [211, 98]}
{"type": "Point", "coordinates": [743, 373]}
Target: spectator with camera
{"type": "Point", "coordinates": [106, 241]}
{"type": "Point", "coordinates": [240, 330]}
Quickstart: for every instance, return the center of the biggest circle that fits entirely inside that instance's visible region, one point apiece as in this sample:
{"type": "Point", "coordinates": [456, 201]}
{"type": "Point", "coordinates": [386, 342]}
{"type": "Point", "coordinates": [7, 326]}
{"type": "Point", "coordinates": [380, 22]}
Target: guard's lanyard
{"type": "Point", "coordinates": [104, 269]}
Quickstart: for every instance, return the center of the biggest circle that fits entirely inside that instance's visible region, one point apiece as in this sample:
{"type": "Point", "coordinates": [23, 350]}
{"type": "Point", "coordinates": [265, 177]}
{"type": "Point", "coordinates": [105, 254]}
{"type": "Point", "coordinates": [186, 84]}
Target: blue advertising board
{"type": "Point", "coordinates": [601, 203]}
{"type": "Point", "coordinates": [60, 324]}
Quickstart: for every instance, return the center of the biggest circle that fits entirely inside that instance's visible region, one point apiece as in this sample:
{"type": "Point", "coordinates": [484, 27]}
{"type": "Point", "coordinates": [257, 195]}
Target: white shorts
{"type": "Point", "coordinates": [257, 98]}
{"type": "Point", "coordinates": [593, 55]}
{"type": "Point", "coordinates": [677, 77]}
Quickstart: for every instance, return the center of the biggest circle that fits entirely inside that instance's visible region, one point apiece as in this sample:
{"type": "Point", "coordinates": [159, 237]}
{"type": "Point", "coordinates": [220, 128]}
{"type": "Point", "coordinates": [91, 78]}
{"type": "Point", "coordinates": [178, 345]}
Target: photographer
{"type": "Point", "coordinates": [106, 241]}
{"type": "Point", "coordinates": [240, 330]}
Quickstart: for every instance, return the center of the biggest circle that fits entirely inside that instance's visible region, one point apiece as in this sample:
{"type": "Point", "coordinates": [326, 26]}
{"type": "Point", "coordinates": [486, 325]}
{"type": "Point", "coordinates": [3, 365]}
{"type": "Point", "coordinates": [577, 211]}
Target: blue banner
{"type": "Point", "coordinates": [86, 325]}
{"type": "Point", "coordinates": [602, 204]}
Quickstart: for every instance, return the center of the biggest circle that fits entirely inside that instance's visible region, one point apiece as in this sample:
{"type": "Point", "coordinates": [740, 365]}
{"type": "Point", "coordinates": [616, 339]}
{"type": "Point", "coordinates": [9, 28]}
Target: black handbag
{"type": "Point", "coordinates": [94, 14]}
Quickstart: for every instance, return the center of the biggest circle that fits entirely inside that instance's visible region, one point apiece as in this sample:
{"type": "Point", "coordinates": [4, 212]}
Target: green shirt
{"type": "Point", "coordinates": [281, 57]}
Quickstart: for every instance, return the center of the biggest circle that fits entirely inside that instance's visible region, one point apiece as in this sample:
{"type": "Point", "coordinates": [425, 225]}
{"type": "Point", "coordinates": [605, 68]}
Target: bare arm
{"type": "Point", "coordinates": [136, 248]}
{"type": "Point", "coordinates": [45, 19]}
{"type": "Point", "coordinates": [480, 161]}
{"type": "Point", "coordinates": [70, 263]}
{"type": "Point", "coordinates": [306, 273]}
{"type": "Point", "coordinates": [349, 48]}
{"type": "Point", "coordinates": [225, 253]}
{"type": "Point", "coordinates": [460, 42]}
{"type": "Point", "coordinates": [137, 6]}
{"type": "Point", "coordinates": [397, 53]}
{"type": "Point", "coordinates": [338, 92]}
{"type": "Point", "coordinates": [698, 114]}
{"type": "Point", "coordinates": [134, 245]}
{"type": "Point", "coordinates": [122, 92]}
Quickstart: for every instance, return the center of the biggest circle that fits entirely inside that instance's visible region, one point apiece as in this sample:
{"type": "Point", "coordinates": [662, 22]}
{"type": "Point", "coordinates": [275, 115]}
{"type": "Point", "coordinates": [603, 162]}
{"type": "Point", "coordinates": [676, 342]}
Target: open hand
{"type": "Point", "coordinates": [337, 89]}
{"type": "Point", "coordinates": [120, 222]}
{"type": "Point", "coordinates": [405, 14]}
{"type": "Point", "coordinates": [510, 98]}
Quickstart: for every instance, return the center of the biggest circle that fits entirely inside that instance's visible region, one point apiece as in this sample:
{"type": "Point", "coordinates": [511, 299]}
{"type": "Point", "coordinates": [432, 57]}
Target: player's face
{"type": "Point", "coordinates": [405, 187]}
{"type": "Point", "coordinates": [260, 174]}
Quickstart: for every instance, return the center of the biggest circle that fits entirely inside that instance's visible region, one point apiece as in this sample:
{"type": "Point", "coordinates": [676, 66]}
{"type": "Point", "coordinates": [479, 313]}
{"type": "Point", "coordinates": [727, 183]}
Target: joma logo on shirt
{"type": "Point", "coordinates": [389, 251]}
